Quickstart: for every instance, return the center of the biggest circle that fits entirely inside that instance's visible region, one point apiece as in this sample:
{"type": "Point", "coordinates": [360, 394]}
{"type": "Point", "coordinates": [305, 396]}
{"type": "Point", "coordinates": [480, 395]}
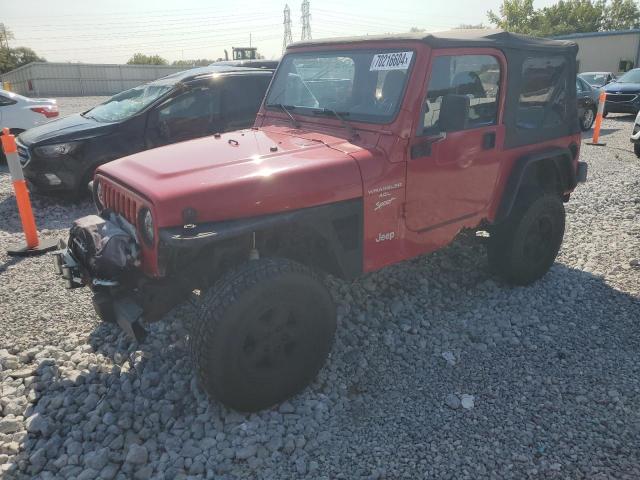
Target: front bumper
{"type": "Point", "coordinates": [102, 254]}
{"type": "Point", "coordinates": [623, 107]}
{"type": "Point", "coordinates": [51, 175]}
{"type": "Point", "coordinates": [111, 306]}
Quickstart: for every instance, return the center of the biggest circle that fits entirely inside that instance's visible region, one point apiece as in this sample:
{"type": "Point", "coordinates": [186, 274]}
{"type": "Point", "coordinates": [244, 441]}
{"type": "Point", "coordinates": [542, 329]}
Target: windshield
{"type": "Point", "coordinates": [361, 85]}
{"type": "Point", "coordinates": [597, 79]}
{"type": "Point", "coordinates": [632, 76]}
{"type": "Point", "coordinates": [127, 103]}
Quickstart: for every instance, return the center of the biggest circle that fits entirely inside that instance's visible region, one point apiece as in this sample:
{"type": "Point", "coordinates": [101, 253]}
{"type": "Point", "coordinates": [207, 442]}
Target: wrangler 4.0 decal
{"type": "Point", "coordinates": [383, 190]}
{"type": "Point", "coordinates": [391, 61]}
{"type": "Point", "coordinates": [383, 203]}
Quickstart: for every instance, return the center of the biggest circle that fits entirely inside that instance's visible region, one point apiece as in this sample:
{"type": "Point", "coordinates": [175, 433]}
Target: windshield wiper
{"type": "Point", "coordinates": [285, 109]}
{"type": "Point", "coordinates": [340, 116]}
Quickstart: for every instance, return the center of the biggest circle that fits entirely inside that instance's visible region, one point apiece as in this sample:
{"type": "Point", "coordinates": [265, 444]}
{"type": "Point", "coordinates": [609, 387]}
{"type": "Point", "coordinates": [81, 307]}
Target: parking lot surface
{"type": "Point", "coordinates": [438, 369]}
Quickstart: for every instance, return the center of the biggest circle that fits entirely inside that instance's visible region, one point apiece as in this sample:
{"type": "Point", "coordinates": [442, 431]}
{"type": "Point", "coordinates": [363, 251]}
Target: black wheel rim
{"type": "Point", "coordinates": [272, 341]}
{"type": "Point", "coordinates": [538, 243]}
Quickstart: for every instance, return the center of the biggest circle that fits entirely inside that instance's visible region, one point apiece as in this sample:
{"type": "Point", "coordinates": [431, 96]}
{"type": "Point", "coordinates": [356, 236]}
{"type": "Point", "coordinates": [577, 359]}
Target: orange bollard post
{"type": "Point", "coordinates": [33, 245]}
{"type": "Point", "coordinates": [596, 130]}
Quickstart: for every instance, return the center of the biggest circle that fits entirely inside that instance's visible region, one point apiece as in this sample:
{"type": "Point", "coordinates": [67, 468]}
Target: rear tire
{"type": "Point", "coordinates": [636, 149]}
{"type": "Point", "coordinates": [523, 248]}
{"type": "Point", "coordinates": [262, 333]}
{"type": "Point", "coordinates": [588, 117]}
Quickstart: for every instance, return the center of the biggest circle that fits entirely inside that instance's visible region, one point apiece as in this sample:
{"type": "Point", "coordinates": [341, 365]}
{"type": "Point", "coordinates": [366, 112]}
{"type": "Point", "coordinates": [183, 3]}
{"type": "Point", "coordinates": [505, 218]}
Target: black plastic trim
{"type": "Point", "coordinates": [518, 174]}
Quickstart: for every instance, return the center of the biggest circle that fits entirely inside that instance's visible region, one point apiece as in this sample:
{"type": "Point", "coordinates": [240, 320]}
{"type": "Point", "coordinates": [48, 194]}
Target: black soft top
{"type": "Point", "coordinates": [457, 38]}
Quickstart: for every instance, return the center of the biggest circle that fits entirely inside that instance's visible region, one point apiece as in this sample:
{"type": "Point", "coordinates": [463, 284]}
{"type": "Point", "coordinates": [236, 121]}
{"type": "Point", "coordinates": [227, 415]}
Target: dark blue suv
{"type": "Point", "coordinates": [623, 95]}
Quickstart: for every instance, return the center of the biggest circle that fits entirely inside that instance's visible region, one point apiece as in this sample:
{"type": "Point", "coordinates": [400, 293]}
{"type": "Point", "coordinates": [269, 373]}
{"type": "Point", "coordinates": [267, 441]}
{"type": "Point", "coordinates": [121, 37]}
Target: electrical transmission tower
{"type": "Point", "coordinates": [306, 24]}
{"type": "Point", "coordinates": [287, 28]}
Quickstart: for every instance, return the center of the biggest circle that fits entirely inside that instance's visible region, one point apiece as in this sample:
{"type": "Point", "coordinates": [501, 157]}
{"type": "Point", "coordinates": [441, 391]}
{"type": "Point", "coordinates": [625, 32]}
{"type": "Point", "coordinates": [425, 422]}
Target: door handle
{"type": "Point", "coordinates": [489, 140]}
{"type": "Point", "coordinates": [423, 149]}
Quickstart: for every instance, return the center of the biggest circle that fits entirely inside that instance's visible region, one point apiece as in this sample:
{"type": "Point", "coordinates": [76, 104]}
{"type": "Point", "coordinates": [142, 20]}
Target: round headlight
{"type": "Point", "coordinates": [145, 220]}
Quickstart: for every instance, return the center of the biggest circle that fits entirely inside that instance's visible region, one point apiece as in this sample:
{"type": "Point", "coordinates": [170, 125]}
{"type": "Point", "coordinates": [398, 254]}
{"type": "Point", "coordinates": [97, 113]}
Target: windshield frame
{"type": "Point", "coordinates": [171, 87]}
{"type": "Point", "coordinates": [634, 72]}
{"type": "Point", "coordinates": [308, 112]}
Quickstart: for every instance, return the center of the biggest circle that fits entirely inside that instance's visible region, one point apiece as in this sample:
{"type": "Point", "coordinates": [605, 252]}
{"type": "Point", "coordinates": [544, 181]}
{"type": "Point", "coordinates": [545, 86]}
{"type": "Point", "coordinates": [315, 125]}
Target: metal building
{"type": "Point", "coordinates": [615, 51]}
{"type": "Point", "coordinates": [77, 79]}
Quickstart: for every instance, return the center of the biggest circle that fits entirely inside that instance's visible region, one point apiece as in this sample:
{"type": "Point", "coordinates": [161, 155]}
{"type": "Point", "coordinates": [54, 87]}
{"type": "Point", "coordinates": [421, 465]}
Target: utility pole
{"type": "Point", "coordinates": [287, 28]}
{"type": "Point", "coordinates": [4, 37]}
{"type": "Point", "coordinates": [306, 24]}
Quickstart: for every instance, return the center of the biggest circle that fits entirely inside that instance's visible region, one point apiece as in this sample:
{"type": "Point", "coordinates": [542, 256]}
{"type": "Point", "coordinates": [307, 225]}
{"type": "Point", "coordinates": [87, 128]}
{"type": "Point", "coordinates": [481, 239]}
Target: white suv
{"type": "Point", "coordinates": [20, 113]}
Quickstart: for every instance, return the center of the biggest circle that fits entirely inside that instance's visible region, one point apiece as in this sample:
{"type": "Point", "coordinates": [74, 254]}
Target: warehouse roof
{"type": "Point", "coordinates": [454, 38]}
{"type": "Point", "coordinates": [611, 33]}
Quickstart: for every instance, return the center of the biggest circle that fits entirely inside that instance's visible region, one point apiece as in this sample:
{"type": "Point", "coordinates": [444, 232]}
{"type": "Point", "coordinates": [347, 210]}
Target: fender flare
{"type": "Point", "coordinates": [563, 165]}
{"type": "Point", "coordinates": [323, 220]}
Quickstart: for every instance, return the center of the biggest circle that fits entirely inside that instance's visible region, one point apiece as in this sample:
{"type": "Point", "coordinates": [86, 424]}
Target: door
{"type": "Point", "coordinates": [193, 112]}
{"type": "Point", "coordinates": [451, 176]}
{"type": "Point", "coordinates": [241, 99]}
{"type": "Point", "coordinates": [5, 108]}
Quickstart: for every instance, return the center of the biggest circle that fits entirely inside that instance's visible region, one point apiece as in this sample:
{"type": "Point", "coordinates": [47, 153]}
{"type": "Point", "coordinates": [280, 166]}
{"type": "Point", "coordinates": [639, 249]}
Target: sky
{"type": "Point", "coordinates": [100, 31]}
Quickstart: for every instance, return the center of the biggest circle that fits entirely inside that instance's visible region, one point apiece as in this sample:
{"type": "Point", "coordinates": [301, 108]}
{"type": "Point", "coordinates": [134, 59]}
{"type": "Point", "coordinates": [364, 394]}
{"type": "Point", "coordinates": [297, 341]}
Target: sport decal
{"type": "Point", "coordinates": [391, 61]}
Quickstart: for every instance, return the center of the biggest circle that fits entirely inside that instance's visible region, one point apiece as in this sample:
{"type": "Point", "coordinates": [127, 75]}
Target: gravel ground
{"type": "Point", "coordinates": [438, 370]}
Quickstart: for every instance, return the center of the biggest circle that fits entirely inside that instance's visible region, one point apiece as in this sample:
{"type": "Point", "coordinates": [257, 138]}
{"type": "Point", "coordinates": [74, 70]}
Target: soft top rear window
{"type": "Point", "coordinates": [358, 85]}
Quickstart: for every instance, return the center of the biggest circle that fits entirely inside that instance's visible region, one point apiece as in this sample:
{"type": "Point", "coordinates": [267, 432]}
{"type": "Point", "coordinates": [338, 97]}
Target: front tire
{"type": "Point", "coordinates": [262, 333]}
{"type": "Point", "coordinates": [636, 149]}
{"type": "Point", "coordinates": [523, 248]}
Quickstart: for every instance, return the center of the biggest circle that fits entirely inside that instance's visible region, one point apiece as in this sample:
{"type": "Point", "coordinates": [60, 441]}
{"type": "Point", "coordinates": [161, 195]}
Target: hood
{"type": "Point", "coordinates": [73, 127]}
{"type": "Point", "coordinates": [616, 87]}
{"type": "Point", "coordinates": [238, 174]}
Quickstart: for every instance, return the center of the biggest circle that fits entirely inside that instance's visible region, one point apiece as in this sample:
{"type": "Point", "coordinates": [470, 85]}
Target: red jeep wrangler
{"type": "Point", "coordinates": [366, 152]}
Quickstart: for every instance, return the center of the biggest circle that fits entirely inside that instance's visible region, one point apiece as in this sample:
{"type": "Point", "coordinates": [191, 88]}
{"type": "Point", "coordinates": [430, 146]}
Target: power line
{"type": "Point", "coordinates": [287, 28]}
{"type": "Point", "coordinates": [306, 23]}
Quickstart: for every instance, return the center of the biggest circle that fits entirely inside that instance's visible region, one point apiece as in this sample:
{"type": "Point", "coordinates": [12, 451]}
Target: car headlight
{"type": "Point", "coordinates": [145, 224]}
{"type": "Point", "coordinates": [57, 150]}
{"type": "Point", "coordinates": [98, 194]}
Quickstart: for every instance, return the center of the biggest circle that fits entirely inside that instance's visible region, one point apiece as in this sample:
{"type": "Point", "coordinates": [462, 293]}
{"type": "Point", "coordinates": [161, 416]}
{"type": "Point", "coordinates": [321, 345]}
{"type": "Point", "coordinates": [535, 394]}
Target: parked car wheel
{"type": "Point", "coordinates": [636, 149]}
{"type": "Point", "coordinates": [524, 247]}
{"type": "Point", "coordinates": [588, 117]}
{"type": "Point", "coordinates": [262, 334]}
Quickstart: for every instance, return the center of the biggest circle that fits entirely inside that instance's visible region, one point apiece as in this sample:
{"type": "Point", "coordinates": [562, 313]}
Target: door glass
{"type": "Point", "coordinates": [475, 76]}
{"type": "Point", "coordinates": [241, 99]}
{"type": "Point", "coordinates": [189, 115]}
{"type": "Point", "coordinates": [542, 94]}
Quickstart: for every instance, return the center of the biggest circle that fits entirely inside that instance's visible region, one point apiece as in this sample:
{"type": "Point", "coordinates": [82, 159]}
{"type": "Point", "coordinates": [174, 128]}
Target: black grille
{"type": "Point", "coordinates": [120, 202]}
{"type": "Point", "coordinates": [621, 97]}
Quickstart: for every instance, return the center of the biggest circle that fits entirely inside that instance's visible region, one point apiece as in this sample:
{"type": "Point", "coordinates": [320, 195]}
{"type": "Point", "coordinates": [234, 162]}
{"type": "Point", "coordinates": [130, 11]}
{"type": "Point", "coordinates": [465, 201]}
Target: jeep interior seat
{"type": "Point", "coordinates": [468, 83]}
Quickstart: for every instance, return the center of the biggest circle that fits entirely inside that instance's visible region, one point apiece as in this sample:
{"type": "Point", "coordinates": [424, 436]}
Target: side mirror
{"type": "Point", "coordinates": [454, 113]}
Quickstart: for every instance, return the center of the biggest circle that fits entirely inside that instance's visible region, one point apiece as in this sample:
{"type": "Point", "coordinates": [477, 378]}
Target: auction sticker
{"type": "Point", "coordinates": [391, 61]}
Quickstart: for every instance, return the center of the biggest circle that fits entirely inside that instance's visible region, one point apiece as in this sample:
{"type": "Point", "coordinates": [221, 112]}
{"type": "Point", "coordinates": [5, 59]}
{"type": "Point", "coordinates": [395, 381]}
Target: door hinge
{"type": "Point", "coordinates": [403, 210]}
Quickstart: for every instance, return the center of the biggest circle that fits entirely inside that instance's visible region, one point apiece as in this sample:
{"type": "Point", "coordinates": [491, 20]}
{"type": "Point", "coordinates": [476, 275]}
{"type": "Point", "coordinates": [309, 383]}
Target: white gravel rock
{"type": "Point", "coordinates": [554, 364]}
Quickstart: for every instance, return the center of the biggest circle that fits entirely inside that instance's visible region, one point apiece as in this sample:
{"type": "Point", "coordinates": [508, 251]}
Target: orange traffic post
{"type": "Point", "coordinates": [596, 130]}
{"type": "Point", "coordinates": [33, 245]}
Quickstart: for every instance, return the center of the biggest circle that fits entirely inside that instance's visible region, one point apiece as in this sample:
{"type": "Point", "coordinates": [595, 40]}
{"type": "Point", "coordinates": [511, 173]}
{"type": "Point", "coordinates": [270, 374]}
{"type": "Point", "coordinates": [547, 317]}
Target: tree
{"type": "Point", "coordinates": [571, 16]}
{"type": "Point", "coordinates": [566, 16]}
{"type": "Point", "coordinates": [201, 62]}
{"type": "Point", "coordinates": [142, 59]}
{"type": "Point", "coordinates": [621, 15]}
{"type": "Point", "coordinates": [516, 16]}
{"type": "Point", "coordinates": [16, 57]}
